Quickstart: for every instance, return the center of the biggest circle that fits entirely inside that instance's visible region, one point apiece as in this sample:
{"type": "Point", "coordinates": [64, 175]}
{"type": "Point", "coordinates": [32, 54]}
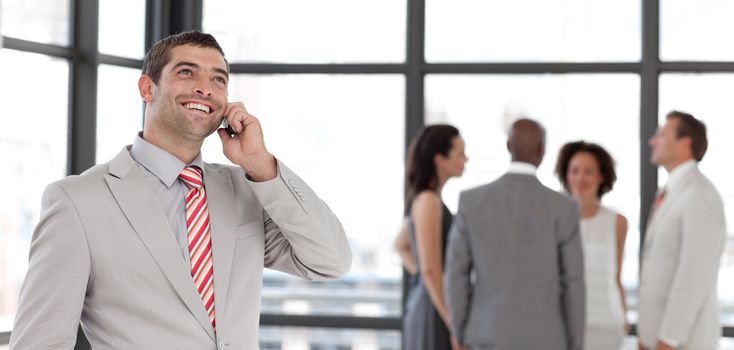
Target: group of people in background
{"type": "Point", "coordinates": [521, 266]}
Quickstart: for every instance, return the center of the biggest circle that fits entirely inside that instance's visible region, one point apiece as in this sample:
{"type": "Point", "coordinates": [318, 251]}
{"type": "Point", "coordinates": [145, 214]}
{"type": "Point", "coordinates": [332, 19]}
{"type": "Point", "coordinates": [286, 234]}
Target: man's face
{"type": "Point", "coordinates": [191, 94]}
{"type": "Point", "coordinates": [665, 144]}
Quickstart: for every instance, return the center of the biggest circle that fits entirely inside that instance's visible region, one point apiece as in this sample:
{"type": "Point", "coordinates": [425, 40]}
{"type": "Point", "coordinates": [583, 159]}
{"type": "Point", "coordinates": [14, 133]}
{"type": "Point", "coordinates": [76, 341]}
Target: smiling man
{"type": "Point", "coordinates": [158, 249]}
{"type": "Point", "coordinates": [678, 306]}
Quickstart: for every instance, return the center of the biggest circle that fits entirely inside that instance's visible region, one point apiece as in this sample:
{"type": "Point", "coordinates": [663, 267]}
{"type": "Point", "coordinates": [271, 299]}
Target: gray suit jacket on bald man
{"type": "Point", "coordinates": [514, 270]}
{"type": "Point", "coordinates": [104, 253]}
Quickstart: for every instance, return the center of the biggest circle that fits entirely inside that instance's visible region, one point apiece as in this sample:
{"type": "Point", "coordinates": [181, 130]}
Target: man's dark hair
{"type": "Point", "coordinates": [158, 55]}
{"type": "Point", "coordinates": [689, 126]}
{"type": "Point", "coordinates": [606, 164]}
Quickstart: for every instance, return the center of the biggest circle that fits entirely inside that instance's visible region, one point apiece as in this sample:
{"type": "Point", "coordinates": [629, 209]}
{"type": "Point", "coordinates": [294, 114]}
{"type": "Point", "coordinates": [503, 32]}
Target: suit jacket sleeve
{"type": "Point", "coordinates": [302, 236]}
{"type": "Point", "coordinates": [54, 288]}
{"type": "Point", "coordinates": [457, 283]}
{"type": "Point", "coordinates": [702, 238]}
{"type": "Point", "coordinates": [572, 278]}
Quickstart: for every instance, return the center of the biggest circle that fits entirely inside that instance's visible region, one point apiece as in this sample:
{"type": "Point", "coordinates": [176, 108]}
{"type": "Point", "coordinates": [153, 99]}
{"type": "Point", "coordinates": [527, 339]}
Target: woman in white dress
{"type": "Point", "coordinates": [586, 171]}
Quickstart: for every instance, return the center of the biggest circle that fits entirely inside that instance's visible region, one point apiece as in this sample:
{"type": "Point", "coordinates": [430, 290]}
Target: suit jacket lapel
{"type": "Point", "coordinates": [132, 193]}
{"type": "Point", "coordinates": [221, 202]}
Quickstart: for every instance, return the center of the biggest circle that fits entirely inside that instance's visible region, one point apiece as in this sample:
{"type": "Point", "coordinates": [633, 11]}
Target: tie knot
{"type": "Point", "coordinates": [192, 177]}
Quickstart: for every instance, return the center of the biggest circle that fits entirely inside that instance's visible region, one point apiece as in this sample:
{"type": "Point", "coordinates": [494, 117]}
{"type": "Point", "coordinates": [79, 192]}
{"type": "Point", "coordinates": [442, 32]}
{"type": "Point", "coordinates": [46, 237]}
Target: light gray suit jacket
{"type": "Point", "coordinates": [514, 270]}
{"type": "Point", "coordinates": [103, 253]}
{"type": "Point", "coordinates": [684, 241]}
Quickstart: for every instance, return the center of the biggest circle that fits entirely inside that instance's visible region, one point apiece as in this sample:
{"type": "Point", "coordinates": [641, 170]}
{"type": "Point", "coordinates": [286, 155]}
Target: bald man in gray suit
{"type": "Point", "coordinates": [514, 269]}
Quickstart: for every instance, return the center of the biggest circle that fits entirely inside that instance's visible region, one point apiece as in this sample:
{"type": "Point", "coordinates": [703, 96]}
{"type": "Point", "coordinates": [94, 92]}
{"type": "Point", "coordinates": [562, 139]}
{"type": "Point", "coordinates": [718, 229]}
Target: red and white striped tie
{"type": "Point", "coordinates": [659, 198]}
{"type": "Point", "coordinates": [199, 237]}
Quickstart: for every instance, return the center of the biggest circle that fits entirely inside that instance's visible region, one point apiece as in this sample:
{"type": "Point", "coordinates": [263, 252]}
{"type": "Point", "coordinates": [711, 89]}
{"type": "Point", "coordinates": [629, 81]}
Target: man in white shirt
{"type": "Point", "coordinates": [678, 307]}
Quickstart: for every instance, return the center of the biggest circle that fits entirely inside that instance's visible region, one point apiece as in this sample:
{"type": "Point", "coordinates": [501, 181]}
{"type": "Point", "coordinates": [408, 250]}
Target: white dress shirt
{"type": "Point", "coordinates": [522, 168]}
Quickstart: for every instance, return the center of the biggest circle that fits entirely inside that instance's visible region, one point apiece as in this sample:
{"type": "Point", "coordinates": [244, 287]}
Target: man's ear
{"type": "Point", "coordinates": [147, 87]}
{"type": "Point", "coordinates": [687, 143]}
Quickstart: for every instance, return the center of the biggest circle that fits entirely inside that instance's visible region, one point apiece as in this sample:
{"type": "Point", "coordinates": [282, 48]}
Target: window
{"type": "Point", "coordinates": [33, 144]}
{"type": "Point", "coordinates": [317, 31]}
{"type": "Point", "coordinates": [532, 31]}
{"type": "Point", "coordinates": [45, 21]}
{"type": "Point", "coordinates": [122, 28]}
{"type": "Point", "coordinates": [696, 30]}
{"type": "Point", "coordinates": [344, 136]}
{"type": "Point", "coordinates": [119, 110]}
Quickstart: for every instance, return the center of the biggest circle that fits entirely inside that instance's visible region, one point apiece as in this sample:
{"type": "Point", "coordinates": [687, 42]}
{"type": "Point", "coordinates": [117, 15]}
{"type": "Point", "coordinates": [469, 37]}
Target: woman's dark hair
{"type": "Point", "coordinates": [420, 171]}
{"type": "Point", "coordinates": [606, 164]}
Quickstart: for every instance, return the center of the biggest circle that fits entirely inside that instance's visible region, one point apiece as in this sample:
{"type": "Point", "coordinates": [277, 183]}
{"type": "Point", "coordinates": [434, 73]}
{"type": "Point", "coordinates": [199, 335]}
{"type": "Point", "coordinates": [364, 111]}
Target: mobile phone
{"type": "Point", "coordinates": [227, 128]}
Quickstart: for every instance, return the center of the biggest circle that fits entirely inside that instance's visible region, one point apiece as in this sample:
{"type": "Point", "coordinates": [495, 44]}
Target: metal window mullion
{"type": "Point", "coordinates": [119, 61]}
{"type": "Point", "coordinates": [415, 60]}
{"type": "Point", "coordinates": [696, 67]}
{"type": "Point", "coordinates": [340, 68]}
{"type": "Point", "coordinates": [327, 321]}
{"type": "Point", "coordinates": [166, 17]}
{"type": "Point", "coordinates": [83, 98]}
{"type": "Point", "coordinates": [532, 68]}
{"type": "Point", "coordinates": [648, 109]}
{"type": "Point", "coordinates": [414, 91]}
{"type": "Point", "coordinates": [156, 19]}
{"type": "Point", "coordinates": [83, 86]}
{"type": "Point", "coordinates": [184, 15]}
{"type": "Point", "coordinates": [37, 48]}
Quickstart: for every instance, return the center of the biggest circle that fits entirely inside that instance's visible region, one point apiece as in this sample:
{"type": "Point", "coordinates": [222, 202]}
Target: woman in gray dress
{"type": "Point", "coordinates": [435, 155]}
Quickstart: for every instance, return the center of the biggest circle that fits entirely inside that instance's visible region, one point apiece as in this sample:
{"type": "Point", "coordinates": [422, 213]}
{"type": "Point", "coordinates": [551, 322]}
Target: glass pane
{"type": "Point", "coordinates": [33, 146]}
{"type": "Point", "coordinates": [122, 28]}
{"type": "Point", "coordinates": [533, 30]}
{"type": "Point", "coordinates": [696, 30]}
{"type": "Point", "coordinates": [317, 31]}
{"type": "Point", "coordinates": [707, 96]}
{"type": "Point", "coordinates": [598, 108]}
{"type": "Point", "coordinates": [344, 135]}
{"type": "Point", "coordinates": [119, 110]}
{"type": "Point", "coordinates": [297, 338]}
{"type": "Point", "coordinates": [45, 21]}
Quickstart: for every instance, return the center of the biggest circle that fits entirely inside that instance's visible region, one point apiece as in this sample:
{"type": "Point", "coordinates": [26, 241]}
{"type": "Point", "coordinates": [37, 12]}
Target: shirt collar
{"type": "Point", "coordinates": [522, 168]}
{"type": "Point", "coordinates": [679, 172]}
{"type": "Point", "coordinates": [165, 166]}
